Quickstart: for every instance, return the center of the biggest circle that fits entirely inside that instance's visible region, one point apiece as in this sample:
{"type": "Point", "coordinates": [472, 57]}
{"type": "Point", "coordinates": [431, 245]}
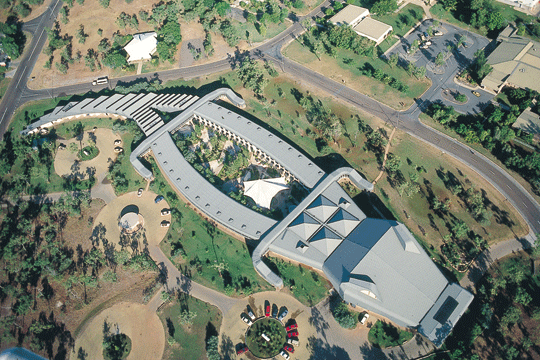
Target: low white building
{"type": "Point", "coordinates": [142, 47]}
{"type": "Point", "coordinates": [358, 18]}
{"type": "Point", "coordinates": [530, 5]}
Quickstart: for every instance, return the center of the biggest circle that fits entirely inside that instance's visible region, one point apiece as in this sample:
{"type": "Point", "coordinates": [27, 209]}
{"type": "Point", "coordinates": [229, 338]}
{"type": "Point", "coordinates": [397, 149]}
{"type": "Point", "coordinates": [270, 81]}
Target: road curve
{"type": "Point", "coordinates": [407, 121]}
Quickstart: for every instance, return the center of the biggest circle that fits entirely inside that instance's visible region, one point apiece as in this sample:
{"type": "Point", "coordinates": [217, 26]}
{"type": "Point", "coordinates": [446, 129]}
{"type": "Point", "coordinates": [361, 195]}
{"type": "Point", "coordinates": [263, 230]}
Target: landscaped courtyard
{"type": "Point", "coordinates": [273, 330]}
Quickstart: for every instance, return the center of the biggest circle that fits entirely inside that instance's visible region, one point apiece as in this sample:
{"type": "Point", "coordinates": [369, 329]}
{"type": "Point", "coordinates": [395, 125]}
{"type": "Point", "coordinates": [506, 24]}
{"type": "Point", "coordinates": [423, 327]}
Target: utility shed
{"type": "Point", "coordinates": [142, 47]}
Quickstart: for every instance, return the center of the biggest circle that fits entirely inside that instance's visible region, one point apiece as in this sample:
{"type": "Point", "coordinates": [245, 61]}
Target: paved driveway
{"type": "Point", "coordinates": [443, 76]}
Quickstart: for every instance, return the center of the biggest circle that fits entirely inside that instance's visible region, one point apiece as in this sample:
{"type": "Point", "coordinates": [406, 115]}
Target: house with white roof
{"type": "Point", "coordinates": [359, 20]}
{"type": "Point", "coordinates": [142, 47]}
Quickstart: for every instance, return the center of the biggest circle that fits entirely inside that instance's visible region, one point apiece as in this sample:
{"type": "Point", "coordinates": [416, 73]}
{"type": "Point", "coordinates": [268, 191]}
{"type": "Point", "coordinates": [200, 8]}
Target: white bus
{"type": "Point", "coordinates": [100, 80]}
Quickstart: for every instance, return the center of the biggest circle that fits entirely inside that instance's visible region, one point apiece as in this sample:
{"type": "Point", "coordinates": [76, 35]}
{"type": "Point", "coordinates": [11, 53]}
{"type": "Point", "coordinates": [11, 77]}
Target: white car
{"type": "Point", "coordinates": [165, 223]}
{"type": "Point", "coordinates": [165, 212]}
{"type": "Point", "coordinates": [437, 33]}
{"type": "Point", "coordinates": [293, 342]}
{"type": "Point", "coordinates": [364, 318]}
{"type": "Point", "coordinates": [246, 319]}
{"type": "Point", "coordinates": [139, 193]}
{"type": "Point", "coordinates": [284, 355]}
{"type": "Point", "coordinates": [117, 142]}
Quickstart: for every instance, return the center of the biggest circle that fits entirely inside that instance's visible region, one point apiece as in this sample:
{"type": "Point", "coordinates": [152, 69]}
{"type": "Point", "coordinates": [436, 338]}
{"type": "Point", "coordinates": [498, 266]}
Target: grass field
{"type": "Point", "coordinates": [346, 68]}
{"type": "Point", "coordinates": [189, 340]}
{"type": "Point", "coordinates": [4, 83]}
{"type": "Point", "coordinates": [201, 251]}
{"type": "Point", "coordinates": [426, 119]}
{"type": "Point", "coordinates": [306, 285]}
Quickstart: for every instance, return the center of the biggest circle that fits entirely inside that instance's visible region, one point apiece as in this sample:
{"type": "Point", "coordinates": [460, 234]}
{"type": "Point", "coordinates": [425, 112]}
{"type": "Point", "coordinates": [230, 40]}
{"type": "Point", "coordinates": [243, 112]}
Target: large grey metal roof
{"type": "Point", "coordinates": [376, 264]}
{"type": "Point", "coordinates": [204, 195]}
{"type": "Point", "coordinates": [407, 281]}
{"type": "Point", "coordinates": [138, 107]}
{"type": "Point", "coordinates": [291, 159]}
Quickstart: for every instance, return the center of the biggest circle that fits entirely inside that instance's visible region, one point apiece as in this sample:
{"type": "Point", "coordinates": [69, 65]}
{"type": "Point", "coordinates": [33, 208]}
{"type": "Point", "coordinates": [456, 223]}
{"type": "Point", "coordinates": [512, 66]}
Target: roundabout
{"type": "Point", "coordinates": [266, 337]}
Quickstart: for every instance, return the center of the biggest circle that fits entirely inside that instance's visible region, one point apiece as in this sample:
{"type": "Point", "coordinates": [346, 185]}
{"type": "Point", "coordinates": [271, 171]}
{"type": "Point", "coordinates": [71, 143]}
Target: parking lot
{"type": "Point", "coordinates": [443, 76]}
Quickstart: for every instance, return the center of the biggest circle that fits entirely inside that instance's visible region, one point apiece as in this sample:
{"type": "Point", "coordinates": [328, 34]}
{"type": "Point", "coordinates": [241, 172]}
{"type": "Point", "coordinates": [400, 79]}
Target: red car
{"type": "Point", "coordinates": [288, 348]}
{"type": "Point", "coordinates": [293, 334]}
{"type": "Point", "coordinates": [291, 327]}
{"type": "Point", "coordinates": [242, 350]}
{"type": "Point", "coordinates": [267, 312]}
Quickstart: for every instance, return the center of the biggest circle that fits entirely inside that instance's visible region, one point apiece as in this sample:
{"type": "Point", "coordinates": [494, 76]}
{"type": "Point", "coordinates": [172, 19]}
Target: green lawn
{"type": "Point", "coordinates": [306, 285]}
{"type": "Point", "coordinates": [272, 30]}
{"type": "Point", "coordinates": [383, 335]}
{"type": "Point", "coordinates": [347, 67]}
{"type": "Point", "coordinates": [199, 250]}
{"type": "Point", "coordinates": [189, 340]}
{"type": "Point", "coordinates": [414, 13]}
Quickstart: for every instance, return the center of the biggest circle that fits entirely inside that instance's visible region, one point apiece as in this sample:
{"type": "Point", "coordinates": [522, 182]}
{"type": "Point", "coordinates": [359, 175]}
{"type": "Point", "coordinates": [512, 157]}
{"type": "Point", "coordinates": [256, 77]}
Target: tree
{"type": "Point", "coordinates": [104, 3]}
{"type": "Point", "coordinates": [212, 345]}
{"type": "Point", "coordinates": [115, 59]}
{"type": "Point", "coordinates": [411, 68]}
{"type": "Point", "coordinates": [393, 163]}
{"type": "Point", "coordinates": [393, 60]}
{"type": "Point", "coordinates": [420, 72]}
{"type": "Point", "coordinates": [382, 7]}
{"type": "Point", "coordinates": [440, 59]}
{"type": "Point", "coordinates": [81, 36]}
{"type": "Point", "coordinates": [187, 317]}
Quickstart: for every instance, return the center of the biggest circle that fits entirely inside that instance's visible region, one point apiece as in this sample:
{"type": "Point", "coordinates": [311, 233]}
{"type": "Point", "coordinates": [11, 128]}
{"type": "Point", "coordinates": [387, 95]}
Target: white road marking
{"type": "Point", "coordinates": [525, 205]}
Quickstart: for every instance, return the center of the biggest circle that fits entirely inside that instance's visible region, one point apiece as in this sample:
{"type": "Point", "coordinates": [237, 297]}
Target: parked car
{"type": "Point", "coordinates": [246, 319]}
{"type": "Point", "coordinates": [284, 355]}
{"type": "Point", "coordinates": [364, 318]}
{"type": "Point", "coordinates": [284, 313]}
{"type": "Point", "coordinates": [426, 35]}
{"type": "Point", "coordinates": [165, 212]}
{"type": "Point", "coordinates": [476, 93]}
{"type": "Point", "coordinates": [437, 33]}
{"type": "Point", "coordinates": [422, 37]}
{"type": "Point", "coordinates": [267, 311]}
{"type": "Point", "coordinates": [424, 46]}
{"type": "Point", "coordinates": [428, 43]}
{"type": "Point", "coordinates": [288, 348]}
{"type": "Point", "coordinates": [274, 311]}
{"type": "Point", "coordinates": [291, 327]}
{"type": "Point", "coordinates": [139, 193]}
{"type": "Point", "coordinates": [165, 223]}
{"type": "Point", "coordinates": [243, 349]}
{"type": "Point", "coordinates": [293, 342]}
{"type": "Point", "coordinates": [158, 199]}
{"type": "Point", "coordinates": [250, 313]}
{"type": "Point", "coordinates": [117, 142]}
{"type": "Point", "coordinates": [118, 149]}
{"type": "Point", "coordinates": [292, 334]}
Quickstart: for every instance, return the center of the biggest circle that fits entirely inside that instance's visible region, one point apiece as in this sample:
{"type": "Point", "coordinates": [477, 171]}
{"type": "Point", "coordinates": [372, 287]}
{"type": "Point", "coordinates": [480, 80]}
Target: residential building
{"type": "Point", "coordinates": [142, 47]}
{"type": "Point", "coordinates": [515, 62]}
{"type": "Point", "coordinates": [359, 20]}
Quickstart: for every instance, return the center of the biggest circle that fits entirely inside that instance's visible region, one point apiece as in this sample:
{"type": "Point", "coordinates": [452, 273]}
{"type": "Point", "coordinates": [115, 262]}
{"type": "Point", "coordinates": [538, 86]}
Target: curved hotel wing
{"type": "Point", "coordinates": [373, 263]}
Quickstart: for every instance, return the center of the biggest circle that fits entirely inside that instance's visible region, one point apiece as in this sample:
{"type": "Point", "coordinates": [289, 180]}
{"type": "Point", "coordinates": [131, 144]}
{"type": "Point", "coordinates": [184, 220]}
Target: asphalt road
{"type": "Point", "coordinates": [407, 121]}
{"type": "Point", "coordinates": [12, 99]}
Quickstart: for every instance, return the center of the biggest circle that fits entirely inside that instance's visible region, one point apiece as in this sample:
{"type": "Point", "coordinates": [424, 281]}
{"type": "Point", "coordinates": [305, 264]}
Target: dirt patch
{"type": "Point", "coordinates": [66, 161]}
{"type": "Point", "coordinates": [137, 321]}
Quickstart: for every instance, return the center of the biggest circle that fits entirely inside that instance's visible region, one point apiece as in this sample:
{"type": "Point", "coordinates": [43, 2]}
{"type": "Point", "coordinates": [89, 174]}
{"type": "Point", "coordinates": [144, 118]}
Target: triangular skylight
{"type": "Point", "coordinates": [325, 240]}
{"type": "Point", "coordinates": [304, 226]}
{"type": "Point", "coordinates": [343, 222]}
{"type": "Point", "coordinates": [322, 208]}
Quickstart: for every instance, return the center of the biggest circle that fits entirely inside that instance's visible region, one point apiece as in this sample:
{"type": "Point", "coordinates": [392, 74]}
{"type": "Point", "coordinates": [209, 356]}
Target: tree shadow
{"type": "Point", "coordinates": [317, 321]}
{"type": "Point", "coordinates": [322, 350]}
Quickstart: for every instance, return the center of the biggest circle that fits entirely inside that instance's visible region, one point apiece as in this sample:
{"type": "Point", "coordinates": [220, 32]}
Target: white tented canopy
{"type": "Point", "coordinates": [142, 46]}
{"type": "Point", "coordinates": [263, 191]}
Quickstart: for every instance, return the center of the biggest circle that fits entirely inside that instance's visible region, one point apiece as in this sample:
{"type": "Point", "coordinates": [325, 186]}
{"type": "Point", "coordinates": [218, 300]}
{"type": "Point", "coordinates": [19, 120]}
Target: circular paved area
{"type": "Point", "coordinates": [65, 162]}
{"type": "Point", "coordinates": [135, 320]}
{"type": "Point", "coordinates": [234, 328]}
{"type": "Point", "coordinates": [106, 222]}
